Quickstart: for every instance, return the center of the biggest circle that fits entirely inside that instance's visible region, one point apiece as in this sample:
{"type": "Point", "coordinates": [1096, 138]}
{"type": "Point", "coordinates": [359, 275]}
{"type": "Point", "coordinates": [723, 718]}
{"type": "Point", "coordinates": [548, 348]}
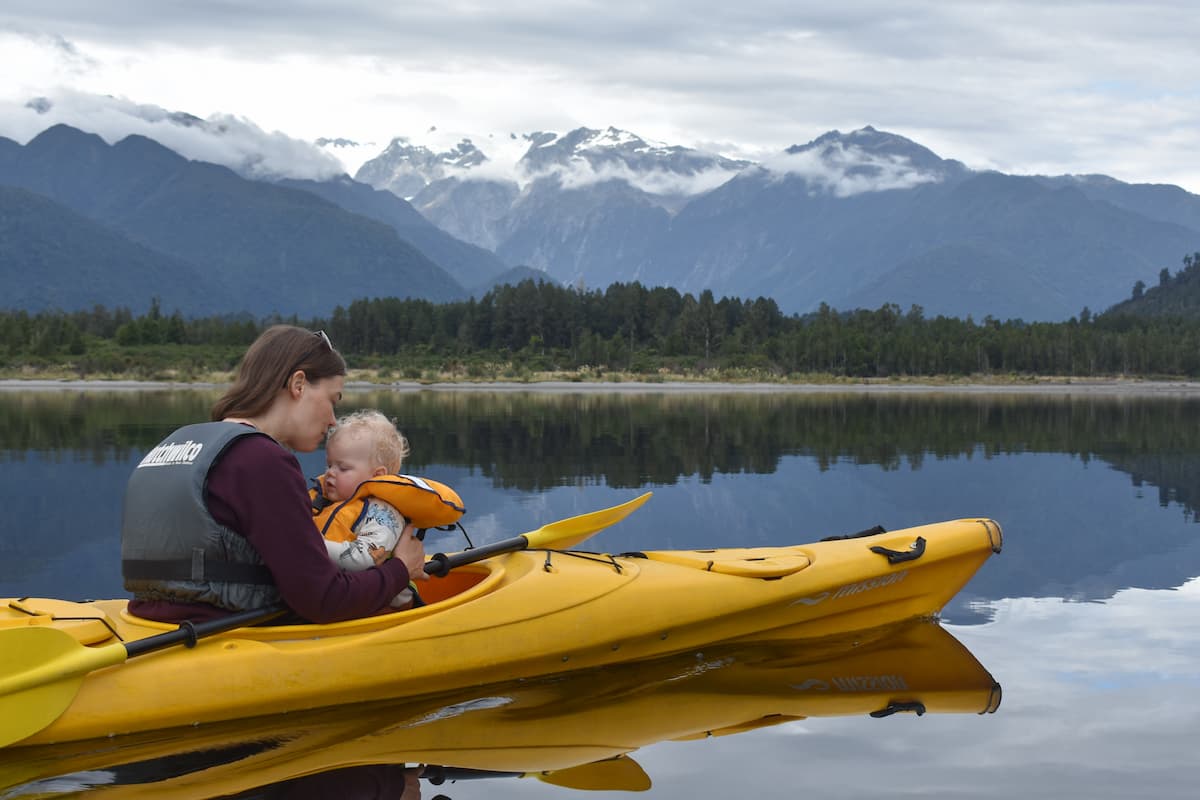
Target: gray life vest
{"type": "Point", "coordinates": [171, 546]}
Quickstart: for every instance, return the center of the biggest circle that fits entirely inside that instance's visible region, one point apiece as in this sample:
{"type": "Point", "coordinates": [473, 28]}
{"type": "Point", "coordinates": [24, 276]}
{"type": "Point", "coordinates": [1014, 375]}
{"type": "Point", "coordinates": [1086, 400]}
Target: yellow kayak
{"type": "Point", "coordinates": [515, 615]}
{"type": "Point", "coordinates": [574, 730]}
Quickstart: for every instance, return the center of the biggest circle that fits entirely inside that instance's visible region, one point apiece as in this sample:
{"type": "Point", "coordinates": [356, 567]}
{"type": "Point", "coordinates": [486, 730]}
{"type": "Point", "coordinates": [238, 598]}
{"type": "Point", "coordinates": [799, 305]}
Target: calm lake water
{"type": "Point", "coordinates": [1089, 619]}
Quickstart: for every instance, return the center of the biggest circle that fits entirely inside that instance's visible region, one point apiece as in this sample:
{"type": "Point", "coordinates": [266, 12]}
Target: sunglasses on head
{"type": "Point", "coordinates": [324, 337]}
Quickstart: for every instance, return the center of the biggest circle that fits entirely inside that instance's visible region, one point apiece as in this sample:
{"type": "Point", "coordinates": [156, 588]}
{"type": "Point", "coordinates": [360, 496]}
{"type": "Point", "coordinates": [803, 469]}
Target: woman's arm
{"type": "Point", "coordinates": [258, 490]}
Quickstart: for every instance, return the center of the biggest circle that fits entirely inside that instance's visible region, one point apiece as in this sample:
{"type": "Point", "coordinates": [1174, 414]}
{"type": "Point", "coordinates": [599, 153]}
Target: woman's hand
{"type": "Point", "coordinates": [411, 551]}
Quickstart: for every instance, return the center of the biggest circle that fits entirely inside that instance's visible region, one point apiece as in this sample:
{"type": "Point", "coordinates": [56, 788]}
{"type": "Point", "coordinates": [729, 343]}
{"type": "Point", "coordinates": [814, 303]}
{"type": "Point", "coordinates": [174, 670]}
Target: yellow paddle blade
{"type": "Point", "coordinates": [559, 535]}
{"type": "Point", "coordinates": [619, 774]}
{"type": "Point", "coordinates": [40, 672]}
{"type": "Point", "coordinates": [569, 532]}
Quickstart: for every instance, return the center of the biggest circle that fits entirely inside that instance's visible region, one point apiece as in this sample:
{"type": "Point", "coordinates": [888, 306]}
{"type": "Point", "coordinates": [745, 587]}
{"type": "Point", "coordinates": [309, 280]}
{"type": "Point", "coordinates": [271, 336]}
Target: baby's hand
{"type": "Point", "coordinates": [380, 554]}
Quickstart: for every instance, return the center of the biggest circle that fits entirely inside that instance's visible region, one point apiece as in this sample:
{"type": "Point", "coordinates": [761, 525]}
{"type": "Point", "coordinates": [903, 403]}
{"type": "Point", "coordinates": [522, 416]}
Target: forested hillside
{"type": "Point", "coordinates": [520, 332]}
{"type": "Point", "coordinates": [54, 258]}
{"type": "Point", "coordinates": [1176, 295]}
{"type": "Point", "coordinates": [256, 247]}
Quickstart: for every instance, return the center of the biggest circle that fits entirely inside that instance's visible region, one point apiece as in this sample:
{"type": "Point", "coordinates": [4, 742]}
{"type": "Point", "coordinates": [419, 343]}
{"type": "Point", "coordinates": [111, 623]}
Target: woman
{"type": "Point", "coordinates": [217, 517]}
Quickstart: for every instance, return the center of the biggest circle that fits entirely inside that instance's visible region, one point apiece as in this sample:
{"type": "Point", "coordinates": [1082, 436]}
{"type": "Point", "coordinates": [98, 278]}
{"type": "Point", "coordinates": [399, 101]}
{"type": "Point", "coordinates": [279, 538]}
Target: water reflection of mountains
{"type": "Point", "coordinates": [573, 730]}
{"type": "Point", "coordinates": [530, 441]}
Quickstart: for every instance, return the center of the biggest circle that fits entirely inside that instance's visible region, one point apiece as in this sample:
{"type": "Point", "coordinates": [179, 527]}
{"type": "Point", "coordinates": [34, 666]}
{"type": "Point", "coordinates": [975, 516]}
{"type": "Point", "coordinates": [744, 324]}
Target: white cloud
{"type": "Point", "coordinates": [580, 173]}
{"type": "Point", "coordinates": [1019, 85]}
{"type": "Point", "coordinates": [221, 139]}
{"type": "Point", "coordinates": [503, 151]}
{"type": "Point", "coordinates": [658, 182]}
{"type": "Point", "coordinates": [845, 171]}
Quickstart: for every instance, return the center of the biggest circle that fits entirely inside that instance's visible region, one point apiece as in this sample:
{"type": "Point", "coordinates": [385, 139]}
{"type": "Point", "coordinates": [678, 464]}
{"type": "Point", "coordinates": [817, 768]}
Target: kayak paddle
{"type": "Point", "coordinates": [553, 536]}
{"type": "Point", "coordinates": [617, 774]}
{"type": "Point", "coordinates": [42, 668]}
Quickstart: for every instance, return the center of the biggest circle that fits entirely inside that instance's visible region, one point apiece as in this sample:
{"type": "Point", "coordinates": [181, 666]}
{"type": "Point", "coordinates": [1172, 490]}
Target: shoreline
{"type": "Point", "coordinates": [1093, 387]}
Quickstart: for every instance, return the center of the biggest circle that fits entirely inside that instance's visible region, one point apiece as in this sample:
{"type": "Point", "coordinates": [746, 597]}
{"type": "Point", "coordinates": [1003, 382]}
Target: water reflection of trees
{"type": "Point", "coordinates": [531, 440]}
{"type": "Point", "coordinates": [100, 425]}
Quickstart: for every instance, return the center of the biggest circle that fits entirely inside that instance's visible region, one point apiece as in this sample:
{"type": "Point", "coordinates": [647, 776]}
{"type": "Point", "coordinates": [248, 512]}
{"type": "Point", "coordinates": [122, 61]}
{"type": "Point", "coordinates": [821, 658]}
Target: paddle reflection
{"type": "Point", "coordinates": [574, 731]}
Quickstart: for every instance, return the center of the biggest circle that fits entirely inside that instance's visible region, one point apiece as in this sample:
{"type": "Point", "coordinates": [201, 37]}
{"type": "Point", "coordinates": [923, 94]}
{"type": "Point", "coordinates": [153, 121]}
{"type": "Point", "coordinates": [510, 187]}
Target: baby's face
{"type": "Point", "coordinates": [347, 464]}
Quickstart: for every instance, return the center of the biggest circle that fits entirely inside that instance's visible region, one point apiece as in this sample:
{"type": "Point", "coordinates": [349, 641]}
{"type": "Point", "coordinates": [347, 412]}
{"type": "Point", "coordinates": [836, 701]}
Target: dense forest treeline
{"type": "Point", "coordinates": [515, 332]}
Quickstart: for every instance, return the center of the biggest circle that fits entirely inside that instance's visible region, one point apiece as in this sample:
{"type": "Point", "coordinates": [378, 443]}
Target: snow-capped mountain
{"type": "Point", "coordinates": [405, 168]}
{"type": "Point", "coordinates": [854, 219]}
{"type": "Point", "coordinates": [532, 200]}
{"type": "Point", "coordinates": [585, 155]}
{"type": "Point", "coordinates": [580, 157]}
{"type": "Point", "coordinates": [868, 151]}
{"type": "Point", "coordinates": [864, 160]}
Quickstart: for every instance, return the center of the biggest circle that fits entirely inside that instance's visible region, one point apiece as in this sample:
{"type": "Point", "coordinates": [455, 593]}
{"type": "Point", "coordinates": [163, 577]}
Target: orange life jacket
{"type": "Point", "coordinates": [423, 502]}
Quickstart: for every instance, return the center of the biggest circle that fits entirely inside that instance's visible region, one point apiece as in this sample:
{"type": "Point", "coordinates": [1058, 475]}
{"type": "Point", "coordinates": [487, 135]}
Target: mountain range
{"type": "Point", "coordinates": [852, 219]}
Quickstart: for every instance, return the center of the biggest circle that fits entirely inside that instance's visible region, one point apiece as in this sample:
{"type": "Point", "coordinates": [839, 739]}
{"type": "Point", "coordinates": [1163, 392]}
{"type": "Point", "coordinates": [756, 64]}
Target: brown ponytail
{"type": "Point", "coordinates": [275, 355]}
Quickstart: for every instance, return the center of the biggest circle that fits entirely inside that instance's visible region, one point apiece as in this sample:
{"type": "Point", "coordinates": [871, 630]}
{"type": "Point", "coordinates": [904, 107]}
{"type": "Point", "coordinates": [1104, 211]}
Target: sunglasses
{"type": "Point", "coordinates": [324, 337]}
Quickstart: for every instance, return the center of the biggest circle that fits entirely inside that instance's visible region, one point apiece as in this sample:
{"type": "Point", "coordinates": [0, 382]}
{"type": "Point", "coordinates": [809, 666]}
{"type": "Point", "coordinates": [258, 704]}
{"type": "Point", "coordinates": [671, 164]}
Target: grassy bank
{"type": "Point", "coordinates": [134, 366]}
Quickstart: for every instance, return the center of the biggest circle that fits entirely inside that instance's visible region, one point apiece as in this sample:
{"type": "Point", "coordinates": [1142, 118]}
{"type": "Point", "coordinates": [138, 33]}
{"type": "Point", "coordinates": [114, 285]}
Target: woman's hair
{"type": "Point", "coordinates": [275, 355]}
{"type": "Point", "coordinates": [389, 448]}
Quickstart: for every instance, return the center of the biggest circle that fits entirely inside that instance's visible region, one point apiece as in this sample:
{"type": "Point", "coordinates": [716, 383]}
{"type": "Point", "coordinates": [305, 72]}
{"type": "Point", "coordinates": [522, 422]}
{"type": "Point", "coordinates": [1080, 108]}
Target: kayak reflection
{"type": "Point", "coordinates": [574, 730]}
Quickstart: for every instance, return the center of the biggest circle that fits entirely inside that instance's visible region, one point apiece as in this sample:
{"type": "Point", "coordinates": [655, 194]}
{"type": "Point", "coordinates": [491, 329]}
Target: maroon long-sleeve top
{"type": "Point", "coordinates": [258, 490]}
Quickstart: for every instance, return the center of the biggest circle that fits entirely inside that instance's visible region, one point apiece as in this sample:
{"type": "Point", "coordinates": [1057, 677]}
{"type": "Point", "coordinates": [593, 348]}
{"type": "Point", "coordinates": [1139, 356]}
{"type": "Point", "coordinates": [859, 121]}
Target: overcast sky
{"type": "Point", "coordinates": [1024, 86]}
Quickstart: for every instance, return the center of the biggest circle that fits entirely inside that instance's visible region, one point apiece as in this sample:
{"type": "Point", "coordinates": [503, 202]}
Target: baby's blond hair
{"type": "Point", "coordinates": [389, 448]}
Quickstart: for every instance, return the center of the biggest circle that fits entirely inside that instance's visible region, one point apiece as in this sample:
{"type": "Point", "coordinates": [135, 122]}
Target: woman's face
{"type": "Point", "coordinates": [313, 414]}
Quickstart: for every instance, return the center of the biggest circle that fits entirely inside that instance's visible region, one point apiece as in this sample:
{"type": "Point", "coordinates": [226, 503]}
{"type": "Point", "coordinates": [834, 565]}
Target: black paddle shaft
{"type": "Point", "coordinates": [440, 563]}
{"type": "Point", "coordinates": [189, 632]}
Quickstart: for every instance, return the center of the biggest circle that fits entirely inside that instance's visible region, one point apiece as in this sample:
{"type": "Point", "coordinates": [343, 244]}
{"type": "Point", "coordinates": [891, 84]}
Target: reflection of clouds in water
{"type": "Point", "coordinates": [458, 709]}
{"type": "Point", "coordinates": [1102, 692]}
{"type": "Point", "coordinates": [1099, 702]}
{"type": "Point", "coordinates": [1136, 631]}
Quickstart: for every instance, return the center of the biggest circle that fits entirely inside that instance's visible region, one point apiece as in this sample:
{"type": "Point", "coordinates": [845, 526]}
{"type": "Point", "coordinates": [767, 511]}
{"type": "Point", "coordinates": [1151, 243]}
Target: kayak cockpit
{"type": "Point", "coordinates": [457, 588]}
{"type": "Point", "coordinates": [104, 621]}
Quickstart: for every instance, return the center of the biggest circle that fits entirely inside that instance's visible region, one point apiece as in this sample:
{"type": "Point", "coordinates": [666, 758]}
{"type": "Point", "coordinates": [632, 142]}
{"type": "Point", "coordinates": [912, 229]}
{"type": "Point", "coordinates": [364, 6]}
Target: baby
{"type": "Point", "coordinates": [363, 445]}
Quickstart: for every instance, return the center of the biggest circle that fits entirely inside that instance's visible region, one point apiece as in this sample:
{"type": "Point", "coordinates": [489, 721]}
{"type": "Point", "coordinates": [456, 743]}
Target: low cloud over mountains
{"type": "Point", "coordinates": [223, 139]}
